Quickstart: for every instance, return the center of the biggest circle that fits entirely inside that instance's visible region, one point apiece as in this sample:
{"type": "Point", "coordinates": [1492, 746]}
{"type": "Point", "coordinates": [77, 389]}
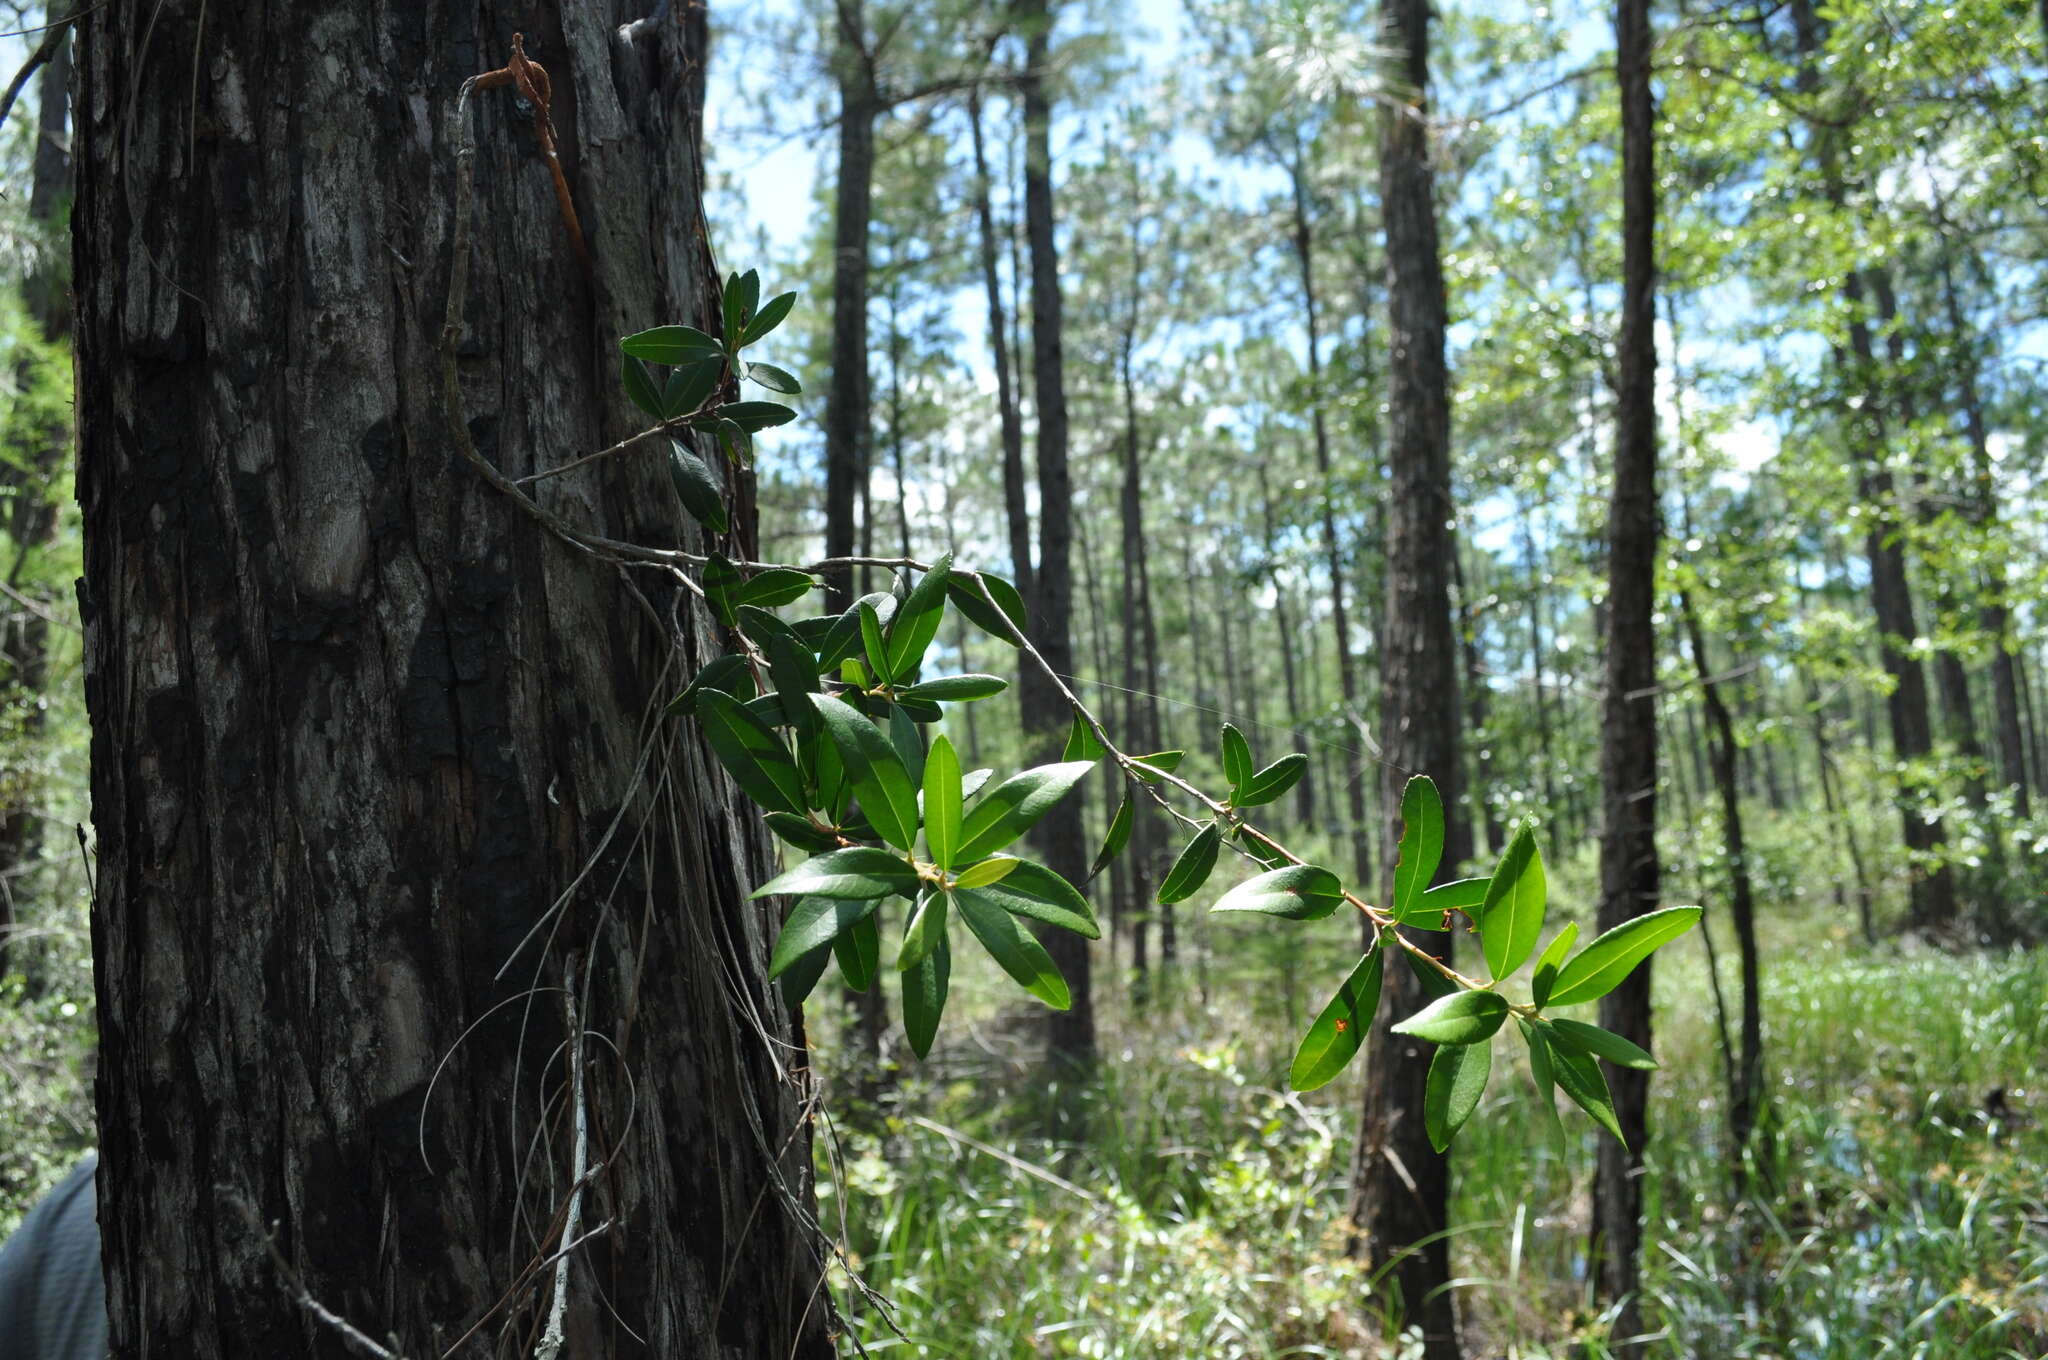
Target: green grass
{"type": "Point", "coordinates": [1201, 1213]}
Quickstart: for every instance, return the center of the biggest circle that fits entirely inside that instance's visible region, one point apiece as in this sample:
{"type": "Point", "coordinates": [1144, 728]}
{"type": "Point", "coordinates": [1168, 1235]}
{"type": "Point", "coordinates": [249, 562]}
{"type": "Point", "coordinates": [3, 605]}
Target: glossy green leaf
{"type": "Point", "coordinates": [908, 744]}
{"type": "Point", "coordinates": [1460, 894]}
{"type": "Point", "coordinates": [873, 768]}
{"type": "Point", "coordinates": [776, 586]}
{"type": "Point", "coordinates": [1158, 763]}
{"type": "Point", "coordinates": [1600, 967]}
{"type": "Point", "coordinates": [1459, 1018]}
{"type": "Point", "coordinates": [737, 301]}
{"type": "Point", "coordinates": [775, 379]}
{"type": "Point", "coordinates": [801, 832]}
{"type": "Point", "coordinates": [751, 752]}
{"type": "Point", "coordinates": [721, 580]}
{"type": "Point", "coordinates": [942, 802]}
{"type": "Point", "coordinates": [1237, 757]}
{"type": "Point", "coordinates": [1118, 837]}
{"type": "Point", "coordinates": [639, 384]}
{"type": "Point", "coordinates": [873, 644]}
{"type": "Point", "coordinates": [1015, 949]}
{"type": "Point", "coordinates": [1082, 743]}
{"type": "Point", "coordinates": [801, 977]}
{"type": "Point", "coordinates": [698, 487]}
{"type": "Point", "coordinates": [992, 870]}
{"type": "Point", "coordinates": [813, 923]}
{"type": "Point", "coordinates": [1545, 976]}
{"type": "Point", "coordinates": [924, 997]}
{"type": "Point", "coordinates": [859, 949]}
{"type": "Point", "coordinates": [757, 415]}
{"type": "Point", "coordinates": [768, 318]}
{"type": "Point", "coordinates": [991, 604]}
{"type": "Point", "coordinates": [955, 688]}
{"type": "Point", "coordinates": [917, 621]}
{"type": "Point", "coordinates": [1014, 806]}
{"type": "Point", "coordinates": [1191, 870]}
{"type": "Point", "coordinates": [1340, 1028]}
{"type": "Point", "coordinates": [1601, 1044]}
{"type": "Point", "coordinates": [670, 345]}
{"type": "Point", "coordinates": [728, 674]}
{"type": "Point", "coordinates": [1540, 1067]}
{"type": "Point", "coordinates": [859, 871]}
{"type": "Point", "coordinates": [691, 384]}
{"type": "Point", "coordinates": [1297, 892]}
{"type": "Point", "coordinates": [1036, 891]}
{"type": "Point", "coordinates": [927, 927]}
{"type": "Point", "coordinates": [1270, 784]}
{"type": "Point", "coordinates": [1422, 844]}
{"type": "Point", "coordinates": [842, 637]}
{"type": "Point", "coordinates": [1457, 1079]}
{"type": "Point", "coordinates": [1511, 917]}
{"type": "Point", "coordinates": [1580, 1076]}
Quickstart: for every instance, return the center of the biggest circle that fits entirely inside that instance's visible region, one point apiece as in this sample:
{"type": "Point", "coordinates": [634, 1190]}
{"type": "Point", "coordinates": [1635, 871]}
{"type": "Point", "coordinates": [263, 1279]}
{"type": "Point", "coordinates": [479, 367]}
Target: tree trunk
{"type": "Point", "coordinates": [1629, 871]}
{"type": "Point", "coordinates": [1305, 791]}
{"type": "Point", "coordinates": [1400, 1185]}
{"type": "Point", "coordinates": [1745, 1079]}
{"type": "Point", "coordinates": [1480, 800]}
{"type": "Point", "coordinates": [1069, 1034]}
{"type": "Point", "coordinates": [32, 522]}
{"type": "Point", "coordinates": [1016, 513]}
{"type": "Point", "coordinates": [379, 776]}
{"type": "Point", "coordinates": [848, 456]}
{"type": "Point", "coordinates": [1140, 640]}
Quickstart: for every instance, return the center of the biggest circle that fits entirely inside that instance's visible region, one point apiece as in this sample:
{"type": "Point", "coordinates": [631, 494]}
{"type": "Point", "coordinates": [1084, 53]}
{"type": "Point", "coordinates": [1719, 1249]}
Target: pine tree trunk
{"type": "Point", "coordinates": [1400, 1185]}
{"type": "Point", "coordinates": [848, 455]}
{"type": "Point", "coordinates": [378, 768]}
{"type": "Point", "coordinates": [1016, 511]}
{"type": "Point", "coordinates": [1629, 870]}
{"type": "Point", "coordinates": [1070, 1034]}
{"type": "Point", "coordinates": [1305, 791]}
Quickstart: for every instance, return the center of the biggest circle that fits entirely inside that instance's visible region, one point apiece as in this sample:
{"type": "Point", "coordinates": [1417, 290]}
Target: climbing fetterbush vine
{"type": "Point", "coordinates": [823, 723]}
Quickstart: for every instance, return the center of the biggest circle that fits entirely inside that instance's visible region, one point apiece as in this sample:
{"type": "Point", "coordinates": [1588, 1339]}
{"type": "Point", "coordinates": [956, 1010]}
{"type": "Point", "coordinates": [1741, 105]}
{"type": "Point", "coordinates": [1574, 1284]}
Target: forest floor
{"type": "Point", "coordinates": [1898, 1207]}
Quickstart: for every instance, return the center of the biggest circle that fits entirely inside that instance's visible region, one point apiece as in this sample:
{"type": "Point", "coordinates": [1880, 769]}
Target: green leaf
{"type": "Point", "coordinates": [873, 768]}
{"type": "Point", "coordinates": [776, 586]}
{"type": "Point", "coordinates": [690, 384]}
{"type": "Point", "coordinates": [908, 743]}
{"type": "Point", "coordinates": [927, 927]}
{"type": "Point", "coordinates": [1579, 1074]}
{"type": "Point", "coordinates": [1191, 870]}
{"type": "Point", "coordinates": [640, 388]}
{"type": "Point", "coordinates": [993, 870]}
{"type": "Point", "coordinates": [1036, 891]}
{"type": "Point", "coordinates": [860, 952]}
{"type": "Point", "coordinates": [858, 871]}
{"type": "Point", "coordinates": [721, 579]}
{"type": "Point", "coordinates": [793, 671]}
{"type": "Point", "coordinates": [768, 318]}
{"type": "Point", "coordinates": [1540, 1066]}
{"type": "Point", "coordinates": [1014, 806]}
{"type": "Point", "coordinates": [1428, 980]}
{"type": "Point", "coordinates": [727, 674]}
{"type": "Point", "coordinates": [1460, 1018]}
{"type": "Point", "coordinates": [1601, 1044]}
{"type": "Point", "coordinates": [757, 415]}
{"type": "Point", "coordinates": [955, 688]}
{"type": "Point", "coordinates": [801, 832]}
{"type": "Point", "coordinates": [924, 997]}
{"type": "Point", "coordinates": [1511, 917]}
{"type": "Point", "coordinates": [1237, 757]}
{"type": "Point", "coordinates": [1457, 1078]}
{"type": "Point", "coordinates": [1158, 763]}
{"type": "Point", "coordinates": [698, 487]}
{"type": "Point", "coordinates": [917, 622]}
{"type": "Point", "coordinates": [1422, 844]}
{"type": "Point", "coordinates": [843, 634]}
{"type": "Point", "coordinates": [942, 802]}
{"type": "Point", "coordinates": [1119, 836]}
{"type": "Point", "coordinates": [775, 379]}
{"type": "Point", "coordinates": [1460, 894]}
{"type": "Point", "coordinates": [751, 753]}
{"type": "Point", "coordinates": [1011, 944]}
{"type": "Point", "coordinates": [670, 345]}
{"type": "Point", "coordinates": [1600, 967]}
{"type": "Point", "coordinates": [873, 646]}
{"type": "Point", "coordinates": [1271, 783]}
{"type": "Point", "coordinates": [991, 604]}
{"type": "Point", "coordinates": [742, 291]}
{"type": "Point", "coordinates": [1081, 742]}
{"type": "Point", "coordinates": [1298, 892]}
{"type": "Point", "coordinates": [1545, 976]}
{"type": "Point", "coordinates": [1340, 1029]}
{"type": "Point", "coordinates": [802, 976]}
{"type": "Point", "coordinates": [813, 923]}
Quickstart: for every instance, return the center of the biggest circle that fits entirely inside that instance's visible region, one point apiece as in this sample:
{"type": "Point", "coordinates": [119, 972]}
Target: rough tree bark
{"type": "Point", "coordinates": [848, 398]}
{"type": "Point", "coordinates": [1400, 1185]}
{"type": "Point", "coordinates": [1070, 1034]}
{"type": "Point", "coordinates": [1629, 870]}
{"type": "Point", "coordinates": [378, 771]}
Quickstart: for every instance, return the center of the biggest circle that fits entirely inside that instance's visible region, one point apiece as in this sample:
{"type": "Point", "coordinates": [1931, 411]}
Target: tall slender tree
{"type": "Point", "coordinates": [1400, 1184]}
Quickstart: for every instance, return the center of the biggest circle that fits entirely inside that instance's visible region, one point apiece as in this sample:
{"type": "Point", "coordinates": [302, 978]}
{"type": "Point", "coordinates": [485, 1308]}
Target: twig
{"type": "Point", "coordinates": [295, 1286]}
{"type": "Point", "coordinates": [551, 1340]}
{"type": "Point", "coordinates": [46, 49]}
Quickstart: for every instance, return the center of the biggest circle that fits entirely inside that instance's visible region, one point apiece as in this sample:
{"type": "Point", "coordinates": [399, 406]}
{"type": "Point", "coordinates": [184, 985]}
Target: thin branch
{"type": "Point", "coordinates": [295, 1286]}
